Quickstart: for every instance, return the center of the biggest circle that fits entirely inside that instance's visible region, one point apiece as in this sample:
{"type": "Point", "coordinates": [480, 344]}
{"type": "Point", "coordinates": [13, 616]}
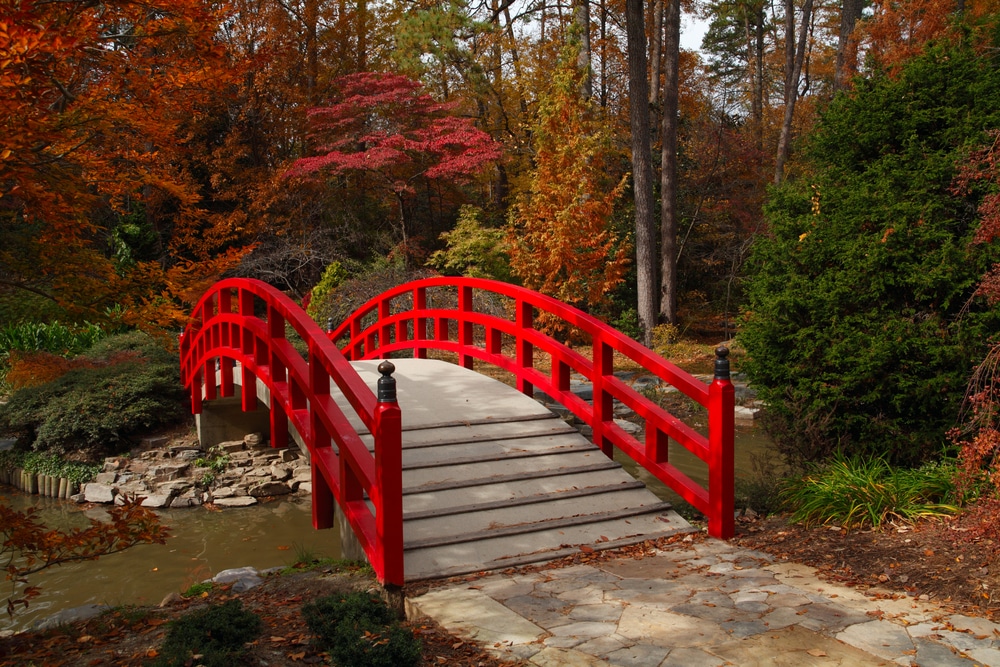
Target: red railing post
{"type": "Point", "coordinates": [604, 364]}
{"type": "Point", "coordinates": [721, 432]}
{"type": "Point", "coordinates": [389, 476]}
{"type": "Point", "coordinates": [420, 322]}
{"type": "Point", "coordinates": [464, 326]}
{"type": "Point", "coordinates": [525, 351]}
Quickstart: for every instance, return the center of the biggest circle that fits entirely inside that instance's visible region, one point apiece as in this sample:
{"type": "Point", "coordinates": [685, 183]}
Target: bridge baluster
{"type": "Point", "coordinates": [603, 406]}
{"type": "Point", "coordinates": [420, 323]}
{"type": "Point", "coordinates": [465, 339]}
{"type": "Point", "coordinates": [525, 350]}
{"type": "Point", "coordinates": [389, 475]}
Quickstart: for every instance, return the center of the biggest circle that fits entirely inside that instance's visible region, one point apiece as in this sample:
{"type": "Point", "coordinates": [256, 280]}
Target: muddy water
{"type": "Point", "coordinates": [203, 544]}
{"type": "Point", "coordinates": [751, 445]}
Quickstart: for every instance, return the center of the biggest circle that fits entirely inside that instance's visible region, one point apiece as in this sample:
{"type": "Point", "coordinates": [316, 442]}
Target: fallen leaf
{"type": "Point", "coordinates": [296, 656]}
{"type": "Point", "coordinates": [816, 653]}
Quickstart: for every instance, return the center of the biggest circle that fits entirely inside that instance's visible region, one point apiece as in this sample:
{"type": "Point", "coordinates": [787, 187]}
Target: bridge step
{"type": "Point", "coordinates": [492, 479]}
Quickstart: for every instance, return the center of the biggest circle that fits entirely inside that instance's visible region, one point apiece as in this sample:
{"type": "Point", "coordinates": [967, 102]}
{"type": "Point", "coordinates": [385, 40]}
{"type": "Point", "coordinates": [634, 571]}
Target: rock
{"type": "Point", "coordinates": [288, 455]}
{"type": "Point", "coordinates": [108, 478]}
{"type": "Point", "coordinates": [175, 487]}
{"type": "Point", "coordinates": [70, 616]}
{"type": "Point", "coordinates": [187, 455]}
{"type": "Point", "coordinates": [166, 472]}
{"type": "Point", "coordinates": [98, 493]}
{"type": "Point", "coordinates": [172, 598]}
{"type": "Point", "coordinates": [223, 492]}
{"type": "Point", "coordinates": [628, 427]}
{"type": "Point", "coordinates": [79, 498]}
{"type": "Point", "coordinates": [231, 446]}
{"type": "Point", "coordinates": [269, 489]}
{"type": "Point", "coordinates": [155, 442]}
{"type": "Point", "coordinates": [242, 578]}
{"type": "Point", "coordinates": [254, 440]}
{"type": "Point", "coordinates": [304, 488]}
{"type": "Point", "coordinates": [111, 465]}
{"type": "Point", "coordinates": [281, 473]}
{"type": "Point", "coordinates": [157, 500]}
{"type": "Point", "coordinates": [236, 501]}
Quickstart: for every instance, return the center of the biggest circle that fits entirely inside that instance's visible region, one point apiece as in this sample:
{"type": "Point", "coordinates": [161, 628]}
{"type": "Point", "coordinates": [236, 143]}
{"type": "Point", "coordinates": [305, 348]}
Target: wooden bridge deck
{"type": "Point", "coordinates": [493, 479]}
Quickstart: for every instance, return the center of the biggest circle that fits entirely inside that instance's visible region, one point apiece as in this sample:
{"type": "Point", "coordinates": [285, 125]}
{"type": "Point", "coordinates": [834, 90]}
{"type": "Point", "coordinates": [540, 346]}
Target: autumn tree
{"type": "Point", "coordinates": [97, 204]}
{"type": "Point", "coordinates": [386, 135]}
{"type": "Point", "coordinates": [561, 241]}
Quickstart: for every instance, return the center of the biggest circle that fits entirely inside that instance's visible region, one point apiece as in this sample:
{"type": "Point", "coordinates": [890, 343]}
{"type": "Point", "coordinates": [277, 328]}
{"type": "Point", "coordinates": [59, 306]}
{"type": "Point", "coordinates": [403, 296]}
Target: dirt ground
{"type": "Point", "coordinates": [948, 561]}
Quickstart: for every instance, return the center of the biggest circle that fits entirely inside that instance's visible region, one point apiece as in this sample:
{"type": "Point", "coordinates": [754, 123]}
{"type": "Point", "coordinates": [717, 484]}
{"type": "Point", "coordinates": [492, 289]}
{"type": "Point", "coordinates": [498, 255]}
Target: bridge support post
{"type": "Point", "coordinates": [721, 432]}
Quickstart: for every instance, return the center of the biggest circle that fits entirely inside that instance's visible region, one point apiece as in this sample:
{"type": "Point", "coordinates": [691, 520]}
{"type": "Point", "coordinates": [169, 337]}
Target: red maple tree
{"type": "Point", "coordinates": [383, 129]}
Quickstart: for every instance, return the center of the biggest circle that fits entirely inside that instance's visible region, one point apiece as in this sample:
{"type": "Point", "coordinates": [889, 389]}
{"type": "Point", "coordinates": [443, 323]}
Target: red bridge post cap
{"type": "Point", "coordinates": [386, 383]}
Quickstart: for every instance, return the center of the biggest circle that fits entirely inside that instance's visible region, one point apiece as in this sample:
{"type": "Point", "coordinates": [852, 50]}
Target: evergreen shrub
{"type": "Point", "coordinates": [130, 385]}
{"type": "Point", "coordinates": [862, 324]}
{"type": "Point", "coordinates": [217, 634]}
{"type": "Point", "coordinates": [359, 630]}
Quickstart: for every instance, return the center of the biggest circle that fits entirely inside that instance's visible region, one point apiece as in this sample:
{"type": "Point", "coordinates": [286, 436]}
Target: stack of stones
{"type": "Point", "coordinates": [182, 474]}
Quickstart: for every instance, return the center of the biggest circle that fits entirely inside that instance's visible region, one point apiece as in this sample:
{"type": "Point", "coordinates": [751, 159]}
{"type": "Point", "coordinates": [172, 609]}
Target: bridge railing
{"type": "Point", "coordinates": [415, 317]}
{"type": "Point", "coordinates": [244, 322]}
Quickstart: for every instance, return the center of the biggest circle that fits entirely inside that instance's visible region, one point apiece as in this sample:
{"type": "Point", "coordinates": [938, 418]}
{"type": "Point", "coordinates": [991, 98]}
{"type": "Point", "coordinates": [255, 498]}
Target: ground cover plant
{"type": "Point", "coordinates": [359, 630]}
{"type": "Point", "coordinates": [215, 636]}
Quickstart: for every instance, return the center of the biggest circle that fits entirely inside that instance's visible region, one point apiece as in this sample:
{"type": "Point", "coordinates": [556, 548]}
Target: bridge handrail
{"type": "Point", "coordinates": [225, 328]}
{"type": "Point", "coordinates": [398, 320]}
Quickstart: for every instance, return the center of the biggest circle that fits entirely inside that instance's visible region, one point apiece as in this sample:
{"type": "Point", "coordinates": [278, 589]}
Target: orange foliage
{"type": "Point", "coordinates": [30, 369]}
{"type": "Point", "coordinates": [97, 103]}
{"type": "Point", "coordinates": [561, 240]}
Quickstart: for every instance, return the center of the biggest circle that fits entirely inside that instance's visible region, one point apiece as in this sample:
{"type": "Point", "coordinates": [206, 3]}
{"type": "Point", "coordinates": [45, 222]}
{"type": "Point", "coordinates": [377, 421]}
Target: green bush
{"type": "Point", "coordinates": [133, 387]}
{"type": "Point", "coordinates": [217, 634]}
{"type": "Point", "coordinates": [473, 249]}
{"type": "Point", "coordinates": [855, 493]}
{"type": "Point", "coordinates": [862, 323]}
{"type": "Point", "coordinates": [359, 630]}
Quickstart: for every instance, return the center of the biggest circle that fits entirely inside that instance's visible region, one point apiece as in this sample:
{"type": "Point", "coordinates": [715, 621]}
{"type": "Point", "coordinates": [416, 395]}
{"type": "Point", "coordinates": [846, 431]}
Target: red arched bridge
{"type": "Point", "coordinates": [436, 456]}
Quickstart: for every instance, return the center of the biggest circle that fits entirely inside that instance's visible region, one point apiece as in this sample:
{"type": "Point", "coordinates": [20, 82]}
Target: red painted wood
{"type": "Point", "coordinates": [343, 470]}
{"type": "Point", "coordinates": [358, 341]}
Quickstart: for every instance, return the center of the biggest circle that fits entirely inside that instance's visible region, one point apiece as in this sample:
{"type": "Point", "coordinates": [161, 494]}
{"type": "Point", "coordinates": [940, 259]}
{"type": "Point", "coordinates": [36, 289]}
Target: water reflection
{"type": "Point", "coordinates": [204, 543]}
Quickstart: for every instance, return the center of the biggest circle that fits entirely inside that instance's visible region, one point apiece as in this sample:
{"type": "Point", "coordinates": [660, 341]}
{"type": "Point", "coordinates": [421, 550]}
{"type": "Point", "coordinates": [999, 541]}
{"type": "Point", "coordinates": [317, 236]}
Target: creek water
{"type": "Point", "coordinates": [205, 542]}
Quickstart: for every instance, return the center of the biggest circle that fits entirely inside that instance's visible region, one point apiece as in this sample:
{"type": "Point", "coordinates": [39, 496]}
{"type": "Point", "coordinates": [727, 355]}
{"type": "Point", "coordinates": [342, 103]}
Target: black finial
{"type": "Point", "coordinates": [329, 324]}
{"type": "Point", "coordinates": [386, 383]}
{"type": "Point", "coordinates": [721, 363]}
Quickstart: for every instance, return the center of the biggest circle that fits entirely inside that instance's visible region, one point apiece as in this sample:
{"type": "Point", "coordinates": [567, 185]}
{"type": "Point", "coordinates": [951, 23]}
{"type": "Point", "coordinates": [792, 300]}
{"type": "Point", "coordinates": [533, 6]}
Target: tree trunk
{"type": "Point", "coordinates": [642, 168]}
{"type": "Point", "coordinates": [581, 17]}
{"type": "Point", "coordinates": [791, 90]}
{"type": "Point", "coordinates": [655, 53]}
{"type": "Point", "coordinates": [849, 14]}
{"type": "Point", "coordinates": [362, 35]}
{"type": "Point", "coordinates": [668, 175]}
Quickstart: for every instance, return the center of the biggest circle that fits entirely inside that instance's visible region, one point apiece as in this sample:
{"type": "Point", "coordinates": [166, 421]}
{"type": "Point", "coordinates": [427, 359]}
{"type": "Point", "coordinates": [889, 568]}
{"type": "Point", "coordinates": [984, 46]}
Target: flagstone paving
{"type": "Point", "coordinates": [700, 603]}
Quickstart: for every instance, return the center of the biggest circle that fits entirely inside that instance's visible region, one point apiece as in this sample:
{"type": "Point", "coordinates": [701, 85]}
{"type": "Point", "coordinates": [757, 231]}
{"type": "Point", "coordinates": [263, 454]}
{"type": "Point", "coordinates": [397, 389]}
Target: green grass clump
{"type": "Point", "coordinates": [359, 630]}
{"type": "Point", "coordinates": [857, 493]}
{"type": "Point", "coordinates": [217, 635]}
{"type": "Point", "coordinates": [198, 589]}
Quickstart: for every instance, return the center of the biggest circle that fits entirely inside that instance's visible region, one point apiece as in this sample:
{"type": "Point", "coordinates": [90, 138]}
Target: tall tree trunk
{"type": "Point", "coordinates": [642, 168]}
{"type": "Point", "coordinates": [581, 18]}
{"type": "Point", "coordinates": [311, 19]}
{"type": "Point", "coordinates": [604, 53]}
{"type": "Point", "coordinates": [655, 53]}
{"type": "Point", "coordinates": [668, 174]}
{"type": "Point", "coordinates": [791, 88]}
{"type": "Point", "coordinates": [849, 14]}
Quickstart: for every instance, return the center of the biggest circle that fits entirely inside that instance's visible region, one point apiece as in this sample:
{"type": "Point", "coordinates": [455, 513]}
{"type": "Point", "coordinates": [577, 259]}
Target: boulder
{"type": "Point", "coordinates": [157, 500]}
{"type": "Point", "coordinates": [236, 501]}
{"type": "Point", "coordinates": [106, 477]}
{"type": "Point", "coordinates": [269, 489]}
{"type": "Point", "coordinates": [99, 493]}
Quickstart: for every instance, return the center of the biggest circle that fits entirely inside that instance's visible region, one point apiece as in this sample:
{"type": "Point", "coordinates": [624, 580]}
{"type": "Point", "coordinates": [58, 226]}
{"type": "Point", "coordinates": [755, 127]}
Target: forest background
{"type": "Point", "coordinates": [820, 177]}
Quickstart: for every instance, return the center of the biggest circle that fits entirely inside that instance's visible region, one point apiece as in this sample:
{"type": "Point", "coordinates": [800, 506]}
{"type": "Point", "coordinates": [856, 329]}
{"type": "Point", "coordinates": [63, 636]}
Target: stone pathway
{"type": "Point", "coordinates": [700, 603]}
